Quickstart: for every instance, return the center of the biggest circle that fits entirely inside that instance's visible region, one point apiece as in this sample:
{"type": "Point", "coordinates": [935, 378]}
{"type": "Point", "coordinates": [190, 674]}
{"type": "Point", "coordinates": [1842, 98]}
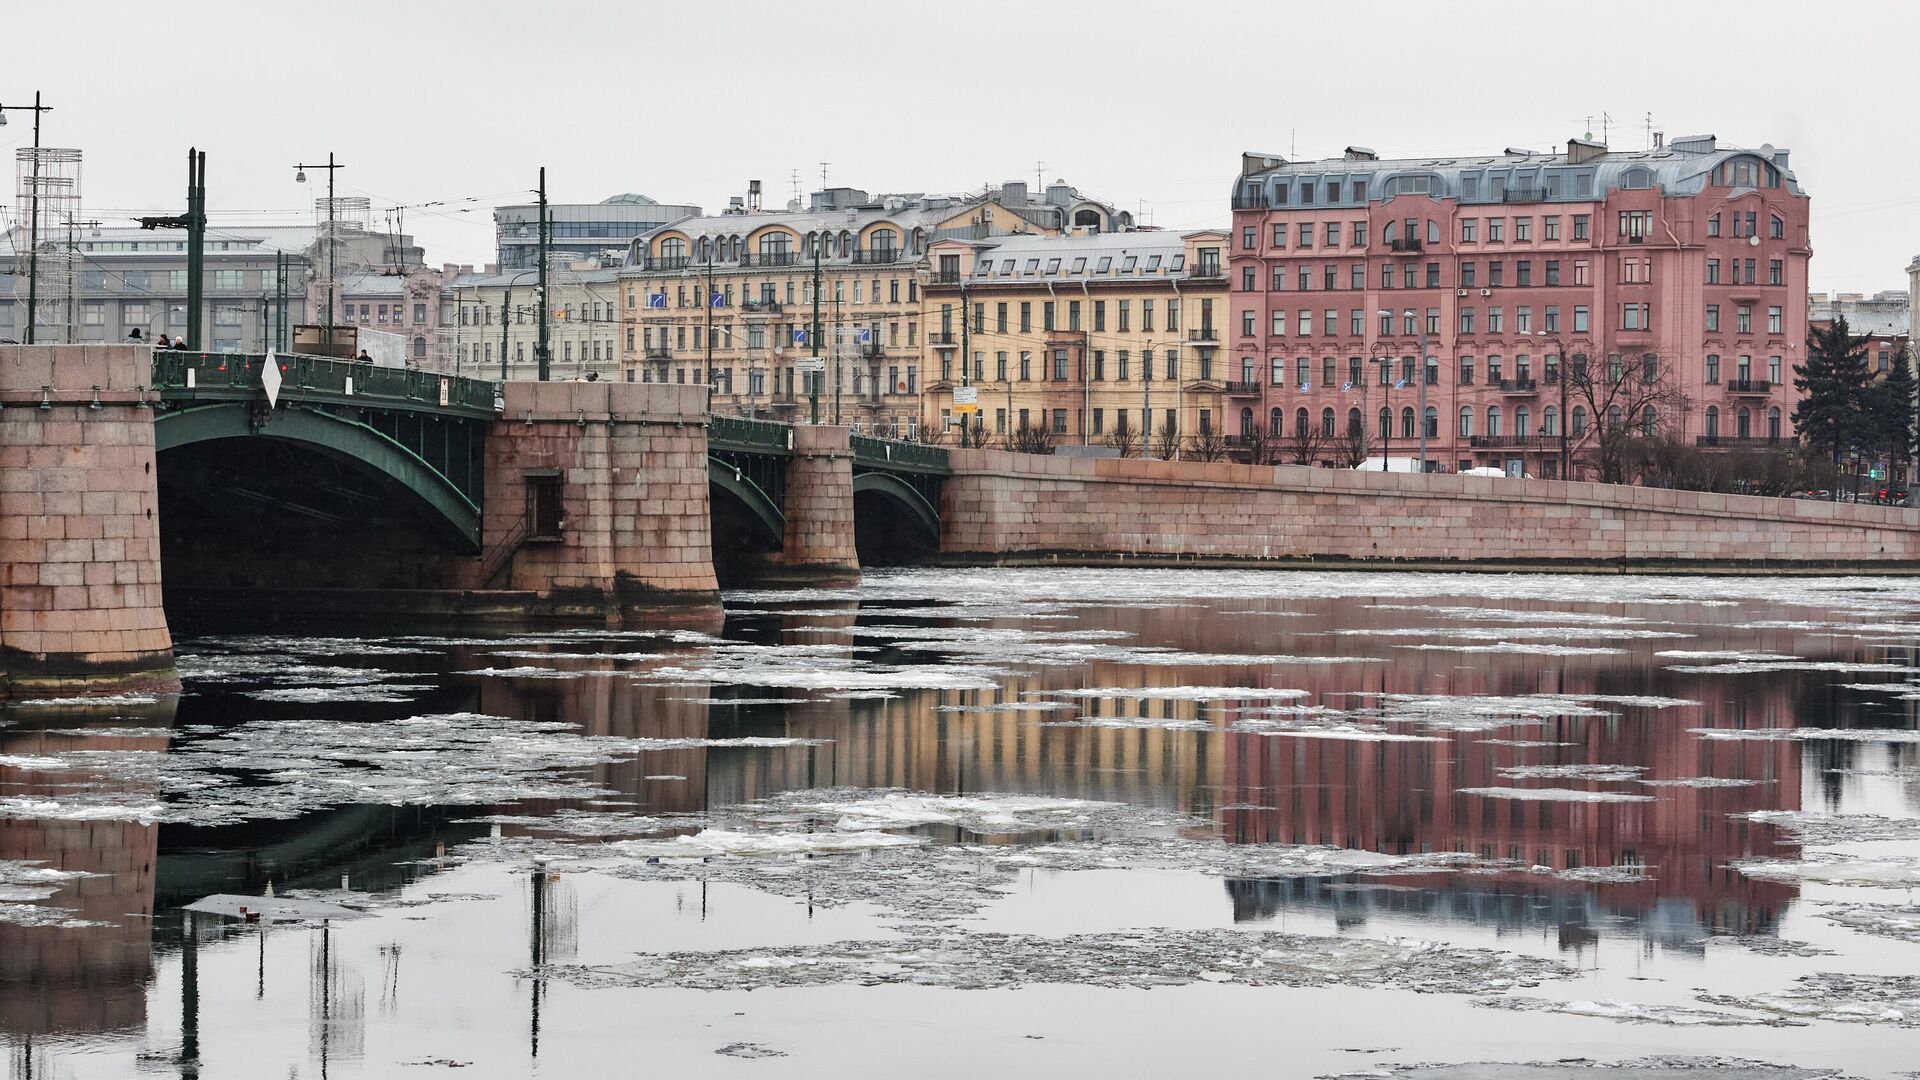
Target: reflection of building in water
{"type": "Point", "coordinates": [77, 979]}
{"type": "Point", "coordinates": [1403, 798]}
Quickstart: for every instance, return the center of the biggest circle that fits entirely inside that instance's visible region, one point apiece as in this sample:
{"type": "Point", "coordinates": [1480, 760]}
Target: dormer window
{"type": "Point", "coordinates": [1132, 261]}
{"type": "Point", "coordinates": [1053, 266]}
{"type": "Point", "coordinates": [1179, 263]}
{"type": "Point", "coordinates": [1637, 178]}
{"type": "Point", "coordinates": [986, 267]}
{"type": "Point", "coordinates": [1153, 264]}
{"type": "Point", "coordinates": [1033, 266]}
{"type": "Point", "coordinates": [1080, 265]}
{"type": "Point", "coordinates": [1106, 264]}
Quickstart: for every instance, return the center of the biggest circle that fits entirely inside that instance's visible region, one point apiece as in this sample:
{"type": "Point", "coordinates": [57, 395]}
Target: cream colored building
{"type": "Point", "coordinates": [1082, 336]}
{"type": "Point", "coordinates": [729, 299]}
{"type": "Point", "coordinates": [488, 316]}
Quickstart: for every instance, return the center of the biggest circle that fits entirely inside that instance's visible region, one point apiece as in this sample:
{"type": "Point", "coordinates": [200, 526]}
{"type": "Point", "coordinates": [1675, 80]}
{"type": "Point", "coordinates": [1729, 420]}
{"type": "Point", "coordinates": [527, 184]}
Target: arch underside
{"type": "Point", "coordinates": [914, 507]}
{"type": "Point", "coordinates": [437, 499]}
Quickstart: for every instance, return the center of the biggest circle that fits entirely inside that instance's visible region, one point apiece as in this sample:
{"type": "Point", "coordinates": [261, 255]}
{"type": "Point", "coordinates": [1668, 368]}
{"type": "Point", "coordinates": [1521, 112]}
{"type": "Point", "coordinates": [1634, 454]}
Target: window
{"type": "Point", "coordinates": [1743, 318]}
{"type": "Point", "coordinates": [1776, 228]}
{"type": "Point", "coordinates": [1279, 323]}
{"type": "Point", "coordinates": [1493, 421]}
{"type": "Point", "coordinates": [1579, 318]}
{"type": "Point", "coordinates": [1280, 234]}
{"type": "Point", "coordinates": [1469, 275]}
{"type": "Point", "coordinates": [1333, 234]}
{"type": "Point", "coordinates": [1635, 225]}
{"type": "Point", "coordinates": [1496, 320]}
{"type": "Point", "coordinates": [1713, 225]}
{"type": "Point", "coordinates": [1522, 229]}
{"type": "Point", "coordinates": [1773, 370]}
{"type": "Point", "coordinates": [1356, 322]}
{"type": "Point", "coordinates": [1776, 272]}
{"type": "Point", "coordinates": [1579, 426]}
{"type": "Point", "coordinates": [1466, 371]}
{"type": "Point", "coordinates": [1713, 370]}
{"type": "Point", "coordinates": [1466, 422]}
{"type": "Point", "coordinates": [1247, 278]}
{"type": "Point", "coordinates": [1523, 273]}
{"type": "Point", "coordinates": [1469, 230]}
{"type": "Point", "coordinates": [1306, 322]}
{"type": "Point", "coordinates": [1466, 320]}
{"type": "Point", "coordinates": [1636, 317]}
{"type": "Point", "coordinates": [1433, 275]}
{"type": "Point", "coordinates": [1773, 320]}
{"type": "Point", "coordinates": [1386, 276]}
{"type": "Point", "coordinates": [1059, 421]}
{"type": "Point", "coordinates": [1332, 277]}
{"type": "Point", "coordinates": [1357, 276]}
{"type": "Point", "coordinates": [1246, 324]}
{"type": "Point", "coordinates": [1360, 228]}
{"type": "Point", "coordinates": [1496, 230]}
{"type": "Point", "coordinates": [1581, 223]}
{"type": "Point", "coordinates": [1550, 226]}
{"type": "Point", "coordinates": [1248, 238]}
{"type": "Point", "coordinates": [1496, 273]}
{"type": "Point", "coordinates": [1713, 319]}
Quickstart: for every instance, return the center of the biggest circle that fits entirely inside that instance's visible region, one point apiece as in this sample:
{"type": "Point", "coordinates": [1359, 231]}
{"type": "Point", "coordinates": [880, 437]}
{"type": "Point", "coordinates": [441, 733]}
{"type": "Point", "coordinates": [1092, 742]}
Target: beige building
{"type": "Point", "coordinates": [494, 315]}
{"type": "Point", "coordinates": [1082, 336]}
{"type": "Point", "coordinates": [729, 299]}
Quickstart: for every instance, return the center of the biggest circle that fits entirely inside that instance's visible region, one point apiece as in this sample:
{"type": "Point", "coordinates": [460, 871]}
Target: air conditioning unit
{"type": "Point", "coordinates": [1486, 292]}
{"type": "Point", "coordinates": [1460, 292]}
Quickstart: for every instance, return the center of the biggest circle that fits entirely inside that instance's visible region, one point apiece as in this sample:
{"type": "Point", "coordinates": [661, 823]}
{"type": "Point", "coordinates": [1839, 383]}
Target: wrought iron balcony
{"type": "Point", "coordinates": [943, 338]}
{"type": "Point", "coordinates": [944, 277]}
{"type": "Point", "coordinates": [1243, 389]}
{"type": "Point", "coordinates": [762, 307]}
{"type": "Point", "coordinates": [771, 258]}
{"type": "Point", "coordinates": [1513, 442]}
{"type": "Point", "coordinates": [1250, 200]}
{"type": "Point", "coordinates": [1749, 386]}
{"type": "Point", "coordinates": [659, 352]}
{"type": "Point", "coordinates": [1206, 271]}
{"type": "Point", "coordinates": [1523, 195]}
{"type": "Point", "coordinates": [879, 256]}
{"type": "Point", "coordinates": [1518, 386]}
{"type": "Point", "coordinates": [1411, 243]}
{"type": "Point", "coordinates": [1205, 333]}
{"type": "Point", "coordinates": [1738, 440]}
{"type": "Point", "coordinates": [674, 262]}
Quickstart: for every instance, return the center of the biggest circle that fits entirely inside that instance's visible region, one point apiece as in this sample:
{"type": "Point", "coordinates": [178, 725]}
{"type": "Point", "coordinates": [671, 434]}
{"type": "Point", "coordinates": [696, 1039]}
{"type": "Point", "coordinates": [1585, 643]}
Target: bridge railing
{"type": "Point", "coordinates": [745, 433]}
{"type": "Point", "coordinates": [898, 455]}
{"type": "Point", "coordinates": [322, 377]}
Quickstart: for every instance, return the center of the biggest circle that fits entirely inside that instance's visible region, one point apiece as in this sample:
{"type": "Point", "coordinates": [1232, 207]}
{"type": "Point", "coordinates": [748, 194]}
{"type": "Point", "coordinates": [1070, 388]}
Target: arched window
{"type": "Point", "coordinates": [774, 244]}
{"type": "Point", "coordinates": [1773, 424]}
{"type": "Point", "coordinates": [1406, 422]}
{"type": "Point", "coordinates": [1579, 421]}
{"type": "Point", "coordinates": [846, 243]}
{"type": "Point", "coordinates": [419, 348]}
{"type": "Point", "coordinates": [1273, 421]}
{"type": "Point", "coordinates": [1386, 423]}
{"type": "Point", "coordinates": [1354, 424]}
{"type": "Point", "coordinates": [882, 240]}
{"type": "Point", "coordinates": [1326, 423]}
{"type": "Point", "coordinates": [1300, 422]}
{"type": "Point", "coordinates": [1614, 421]}
{"type": "Point", "coordinates": [1650, 422]}
{"type": "Point", "coordinates": [673, 249]}
{"type": "Point", "coordinates": [1246, 422]}
{"type": "Point", "coordinates": [1432, 424]}
{"type": "Point", "coordinates": [1522, 416]}
{"type": "Point", "coordinates": [1493, 421]}
{"type": "Point", "coordinates": [1637, 177]}
{"type": "Point", "coordinates": [1433, 231]}
{"type": "Point", "coordinates": [1391, 232]}
{"type": "Point", "coordinates": [1744, 423]}
{"type": "Point", "coordinates": [1550, 421]}
{"type": "Point", "coordinates": [1466, 422]}
{"type": "Point", "coordinates": [1713, 421]}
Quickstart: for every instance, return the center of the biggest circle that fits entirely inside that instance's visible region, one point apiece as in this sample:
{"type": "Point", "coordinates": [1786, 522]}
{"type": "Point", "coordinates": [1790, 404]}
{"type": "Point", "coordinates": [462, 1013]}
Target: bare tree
{"type": "Point", "coordinates": [1304, 445]}
{"type": "Point", "coordinates": [1032, 440]}
{"type": "Point", "coordinates": [972, 435]}
{"type": "Point", "coordinates": [1627, 398]}
{"type": "Point", "coordinates": [1210, 444]}
{"type": "Point", "coordinates": [1124, 439]}
{"type": "Point", "coordinates": [1167, 443]}
{"type": "Point", "coordinates": [1258, 443]}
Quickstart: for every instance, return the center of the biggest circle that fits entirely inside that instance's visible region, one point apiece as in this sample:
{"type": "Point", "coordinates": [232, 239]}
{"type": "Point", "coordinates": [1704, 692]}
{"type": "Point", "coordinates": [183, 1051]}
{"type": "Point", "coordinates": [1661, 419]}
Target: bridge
{"type": "Point", "coordinates": [351, 489]}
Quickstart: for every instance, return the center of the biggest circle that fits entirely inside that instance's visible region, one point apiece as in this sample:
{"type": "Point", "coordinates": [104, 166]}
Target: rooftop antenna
{"type": "Point", "coordinates": [796, 185]}
{"type": "Point", "coordinates": [823, 174]}
{"type": "Point", "coordinates": [1039, 171]}
{"type": "Point", "coordinates": [1606, 122]}
{"type": "Point", "coordinates": [1649, 129]}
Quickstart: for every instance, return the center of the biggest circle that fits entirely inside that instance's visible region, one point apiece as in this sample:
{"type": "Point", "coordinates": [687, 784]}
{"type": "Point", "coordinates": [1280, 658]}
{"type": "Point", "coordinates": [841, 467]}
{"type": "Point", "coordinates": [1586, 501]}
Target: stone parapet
{"type": "Point", "coordinates": [819, 540]}
{"type": "Point", "coordinates": [999, 503]}
{"type": "Point", "coordinates": [80, 604]}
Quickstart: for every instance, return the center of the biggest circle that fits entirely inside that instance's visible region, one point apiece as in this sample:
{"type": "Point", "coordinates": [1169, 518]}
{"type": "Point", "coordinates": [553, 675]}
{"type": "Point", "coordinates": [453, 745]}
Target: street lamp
{"type": "Point", "coordinates": [1382, 353]}
{"type": "Point", "coordinates": [1415, 316]}
{"type": "Point", "coordinates": [33, 212]}
{"type": "Point", "coordinates": [506, 316]}
{"type": "Point", "coordinates": [300, 177]}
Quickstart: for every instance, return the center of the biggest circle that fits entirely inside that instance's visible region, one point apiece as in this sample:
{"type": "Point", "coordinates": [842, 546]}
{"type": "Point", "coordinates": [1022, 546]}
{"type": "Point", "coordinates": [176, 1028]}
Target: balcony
{"type": "Point", "coordinates": [1207, 271]}
{"type": "Point", "coordinates": [873, 350]}
{"type": "Point", "coordinates": [1243, 389]}
{"type": "Point", "coordinates": [943, 339]}
{"type": "Point", "coordinates": [1744, 387]}
{"type": "Point", "coordinates": [1518, 386]}
{"type": "Point", "coordinates": [1523, 195]}
{"type": "Point", "coordinates": [879, 256]}
{"type": "Point", "coordinates": [659, 352]}
{"type": "Point", "coordinates": [762, 307]}
{"type": "Point", "coordinates": [1739, 441]}
{"type": "Point", "coordinates": [944, 277]}
{"type": "Point", "coordinates": [1410, 244]}
{"type": "Point", "coordinates": [1514, 442]}
{"type": "Point", "coordinates": [675, 262]}
{"type": "Point", "coordinates": [771, 258]}
{"type": "Point", "coordinates": [1250, 200]}
{"type": "Point", "coordinates": [1206, 335]}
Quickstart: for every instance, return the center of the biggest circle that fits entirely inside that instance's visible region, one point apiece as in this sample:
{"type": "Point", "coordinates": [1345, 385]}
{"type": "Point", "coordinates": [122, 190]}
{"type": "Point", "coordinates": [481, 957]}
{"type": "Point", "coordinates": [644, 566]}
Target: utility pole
{"type": "Point", "coordinates": [195, 222]}
{"type": "Point", "coordinates": [280, 262]}
{"type": "Point", "coordinates": [839, 332]}
{"type": "Point", "coordinates": [1423, 391]}
{"type": "Point", "coordinates": [333, 240]}
{"type": "Point", "coordinates": [33, 212]}
{"type": "Point", "coordinates": [1146, 399]}
{"type": "Point", "coordinates": [540, 347]}
{"type": "Point", "coordinates": [709, 306]}
{"type": "Point", "coordinates": [813, 338]}
{"type": "Point", "coordinates": [966, 349]}
{"type": "Point", "coordinates": [506, 313]}
{"type": "Point", "coordinates": [73, 272]}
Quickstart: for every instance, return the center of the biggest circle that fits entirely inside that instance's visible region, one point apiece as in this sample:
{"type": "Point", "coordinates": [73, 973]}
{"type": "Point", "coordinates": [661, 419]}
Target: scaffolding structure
{"type": "Point", "coordinates": [47, 202]}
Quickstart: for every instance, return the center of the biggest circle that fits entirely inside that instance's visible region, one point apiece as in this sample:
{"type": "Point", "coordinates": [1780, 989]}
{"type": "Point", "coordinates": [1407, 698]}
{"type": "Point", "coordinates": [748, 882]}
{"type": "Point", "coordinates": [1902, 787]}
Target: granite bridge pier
{"type": "Point", "coordinates": [136, 482]}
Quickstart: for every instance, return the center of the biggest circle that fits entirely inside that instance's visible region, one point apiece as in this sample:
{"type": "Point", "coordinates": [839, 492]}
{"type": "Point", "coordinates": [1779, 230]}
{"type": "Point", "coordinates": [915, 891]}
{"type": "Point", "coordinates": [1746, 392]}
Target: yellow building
{"type": "Point", "coordinates": [728, 299]}
{"type": "Point", "coordinates": [1083, 336]}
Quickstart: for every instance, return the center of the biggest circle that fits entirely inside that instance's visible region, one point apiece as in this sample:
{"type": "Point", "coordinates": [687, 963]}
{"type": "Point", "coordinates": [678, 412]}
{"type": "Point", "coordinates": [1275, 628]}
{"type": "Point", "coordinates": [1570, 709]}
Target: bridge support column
{"type": "Point", "coordinates": [79, 528]}
{"type": "Point", "coordinates": [819, 541]}
{"type": "Point", "coordinates": [596, 497]}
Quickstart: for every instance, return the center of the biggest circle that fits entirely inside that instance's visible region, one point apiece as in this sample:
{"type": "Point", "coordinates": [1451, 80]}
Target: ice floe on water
{"type": "Point", "coordinates": [1893, 872]}
{"type": "Point", "coordinates": [1868, 735]}
{"type": "Point", "coordinates": [1899, 921]}
{"type": "Point", "coordinates": [1309, 728]}
{"type": "Point", "coordinates": [1007, 706]}
{"type": "Point", "coordinates": [1518, 633]}
{"type": "Point", "coordinates": [1703, 782]}
{"type": "Point", "coordinates": [1131, 723]}
{"type": "Point", "coordinates": [1551, 794]}
{"type": "Point", "coordinates": [376, 693]}
{"type": "Point", "coordinates": [1807, 827]}
{"type": "Point", "coordinates": [1638, 1013]}
{"type": "Point", "coordinates": [709, 843]}
{"type": "Point", "coordinates": [82, 701]}
{"type": "Point", "coordinates": [1643, 1068]}
{"type": "Point", "coordinates": [37, 915]}
{"type": "Point", "coordinates": [1179, 693]}
{"type": "Point", "coordinates": [818, 677]}
{"type": "Point", "coordinates": [984, 814]}
{"type": "Point", "coordinates": [1522, 648]}
{"type": "Point", "coordinates": [1133, 959]}
{"type": "Point", "coordinates": [1846, 998]}
{"type": "Point", "coordinates": [27, 881]}
{"type": "Point", "coordinates": [1731, 655]}
{"type": "Point", "coordinates": [1762, 667]}
{"type": "Point", "coordinates": [1572, 772]}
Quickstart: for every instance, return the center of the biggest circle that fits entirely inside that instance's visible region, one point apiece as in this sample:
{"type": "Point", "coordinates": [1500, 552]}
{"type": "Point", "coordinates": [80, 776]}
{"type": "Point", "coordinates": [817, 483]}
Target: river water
{"type": "Point", "coordinates": [962, 823]}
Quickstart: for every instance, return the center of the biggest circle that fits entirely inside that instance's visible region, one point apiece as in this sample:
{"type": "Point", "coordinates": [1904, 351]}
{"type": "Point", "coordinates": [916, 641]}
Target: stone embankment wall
{"type": "Point", "coordinates": [1022, 507]}
{"type": "Point", "coordinates": [79, 524]}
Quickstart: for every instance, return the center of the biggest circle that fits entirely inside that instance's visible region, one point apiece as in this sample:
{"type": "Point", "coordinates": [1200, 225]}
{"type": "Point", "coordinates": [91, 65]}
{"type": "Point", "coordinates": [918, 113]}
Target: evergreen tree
{"type": "Point", "coordinates": [1893, 409]}
{"type": "Point", "coordinates": [1833, 414]}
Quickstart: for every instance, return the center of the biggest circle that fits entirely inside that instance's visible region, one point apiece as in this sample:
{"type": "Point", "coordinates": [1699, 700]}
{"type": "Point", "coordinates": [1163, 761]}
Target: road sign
{"type": "Point", "coordinates": [811, 364]}
{"type": "Point", "coordinates": [657, 300]}
{"type": "Point", "coordinates": [966, 395]}
{"type": "Point", "coordinates": [866, 335]}
{"type": "Point", "coordinates": [799, 337]}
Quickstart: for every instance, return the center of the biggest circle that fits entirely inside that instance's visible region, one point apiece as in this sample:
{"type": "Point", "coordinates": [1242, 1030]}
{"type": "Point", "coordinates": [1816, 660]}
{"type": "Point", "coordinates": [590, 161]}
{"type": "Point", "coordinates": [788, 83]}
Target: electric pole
{"type": "Point", "coordinates": [33, 213]}
{"type": "Point", "coordinates": [709, 306]}
{"type": "Point", "coordinates": [195, 222]}
{"type": "Point", "coordinates": [73, 283]}
{"type": "Point", "coordinates": [839, 332]}
{"type": "Point", "coordinates": [966, 351]}
{"type": "Point", "coordinates": [333, 240]}
{"type": "Point", "coordinates": [540, 347]}
{"type": "Point", "coordinates": [813, 338]}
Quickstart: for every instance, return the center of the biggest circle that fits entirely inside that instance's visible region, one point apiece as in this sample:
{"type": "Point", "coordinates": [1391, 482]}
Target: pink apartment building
{"type": "Point", "coordinates": [1345, 270]}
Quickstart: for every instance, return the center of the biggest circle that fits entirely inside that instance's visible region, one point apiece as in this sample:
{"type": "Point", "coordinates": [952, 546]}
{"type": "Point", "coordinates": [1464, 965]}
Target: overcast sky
{"type": "Point", "coordinates": [1147, 105]}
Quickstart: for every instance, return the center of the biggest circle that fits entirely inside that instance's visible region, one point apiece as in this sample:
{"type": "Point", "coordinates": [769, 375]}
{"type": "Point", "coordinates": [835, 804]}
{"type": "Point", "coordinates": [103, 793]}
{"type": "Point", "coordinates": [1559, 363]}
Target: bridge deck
{"type": "Point", "coordinates": [192, 376]}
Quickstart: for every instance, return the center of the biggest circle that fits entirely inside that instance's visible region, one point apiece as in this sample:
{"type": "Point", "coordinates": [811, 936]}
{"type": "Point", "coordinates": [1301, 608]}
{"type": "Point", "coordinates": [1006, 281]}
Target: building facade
{"type": "Point", "coordinates": [579, 232]}
{"type": "Point", "coordinates": [494, 315]}
{"type": "Point", "coordinates": [1689, 259]}
{"type": "Point", "coordinates": [730, 299]}
{"type": "Point", "coordinates": [1093, 339]}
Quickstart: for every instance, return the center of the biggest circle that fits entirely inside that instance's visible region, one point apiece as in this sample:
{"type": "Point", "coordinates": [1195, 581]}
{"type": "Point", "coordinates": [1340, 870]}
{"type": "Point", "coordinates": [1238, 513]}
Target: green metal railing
{"type": "Point", "coordinates": [742, 433]}
{"type": "Point", "coordinates": [897, 456]}
{"type": "Point", "coordinates": [180, 374]}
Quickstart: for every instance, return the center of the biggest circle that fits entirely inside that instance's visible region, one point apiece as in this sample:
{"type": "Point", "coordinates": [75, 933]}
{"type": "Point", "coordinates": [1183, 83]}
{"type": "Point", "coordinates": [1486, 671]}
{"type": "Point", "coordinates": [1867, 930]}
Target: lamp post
{"type": "Point", "coordinates": [1146, 399]}
{"type": "Point", "coordinates": [1382, 353]}
{"type": "Point", "coordinates": [1422, 376]}
{"type": "Point", "coordinates": [506, 317]}
{"type": "Point", "coordinates": [300, 177]}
